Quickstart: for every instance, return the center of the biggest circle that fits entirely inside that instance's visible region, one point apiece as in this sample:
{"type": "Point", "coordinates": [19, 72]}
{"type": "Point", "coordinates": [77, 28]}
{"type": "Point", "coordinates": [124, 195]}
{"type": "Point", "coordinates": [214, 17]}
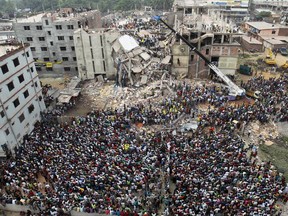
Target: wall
{"type": "Point", "coordinates": [93, 51]}
{"type": "Point", "coordinates": [251, 46]}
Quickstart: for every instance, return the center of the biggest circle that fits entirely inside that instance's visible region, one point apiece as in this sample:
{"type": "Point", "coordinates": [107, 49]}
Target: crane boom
{"type": "Point", "coordinates": [233, 88]}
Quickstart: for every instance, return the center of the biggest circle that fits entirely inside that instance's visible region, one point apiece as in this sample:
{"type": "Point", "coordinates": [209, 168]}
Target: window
{"type": "Point", "coordinates": [40, 98]}
{"type": "Point", "coordinates": [76, 68]}
{"type": "Point", "coordinates": [33, 48]}
{"type": "Point", "coordinates": [273, 32]}
{"type": "Point", "coordinates": [49, 32]}
{"type": "Point", "coordinates": [2, 113]}
{"type": "Point", "coordinates": [70, 37]}
{"type": "Point", "coordinates": [4, 69]}
{"type": "Point", "coordinates": [27, 54]}
{"type": "Point", "coordinates": [32, 69]}
{"type": "Point", "coordinates": [10, 86]}
{"type": "Point", "coordinates": [43, 48]}
{"type": "Point", "coordinates": [16, 102]}
{"type": "Point", "coordinates": [54, 54]}
{"type": "Point", "coordinates": [41, 38]}
{"type": "Point", "coordinates": [31, 108]}
{"type": "Point", "coordinates": [66, 68]}
{"type": "Point", "coordinates": [21, 78]}
{"type": "Point", "coordinates": [60, 38]}
{"type": "Point", "coordinates": [73, 48]}
{"type": "Point", "coordinates": [39, 27]}
{"type": "Point", "coordinates": [70, 27]}
{"type": "Point", "coordinates": [46, 22]}
{"type": "Point", "coordinates": [16, 62]}
{"type": "Point", "coordinates": [58, 27]}
{"type": "Point", "coordinates": [74, 59]}
{"type": "Point", "coordinates": [26, 93]}
{"type": "Point", "coordinates": [36, 84]}
{"type": "Point", "coordinates": [7, 132]}
{"type": "Point", "coordinates": [65, 58]}
{"type": "Point", "coordinates": [35, 59]}
{"type": "Point", "coordinates": [46, 59]}
{"type": "Point", "coordinates": [51, 43]}
{"type": "Point", "coordinates": [63, 48]}
{"type": "Point", "coordinates": [21, 118]}
{"type": "Point", "coordinates": [26, 27]}
{"type": "Point", "coordinates": [29, 39]}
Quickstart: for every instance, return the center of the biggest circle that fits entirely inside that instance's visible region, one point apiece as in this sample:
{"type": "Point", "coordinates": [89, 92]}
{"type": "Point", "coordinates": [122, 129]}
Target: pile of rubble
{"type": "Point", "coordinates": [263, 134]}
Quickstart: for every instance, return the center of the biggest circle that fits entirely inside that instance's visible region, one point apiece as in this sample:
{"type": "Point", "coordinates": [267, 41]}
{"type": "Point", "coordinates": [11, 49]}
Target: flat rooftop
{"type": "Point", "coordinates": [265, 25]}
{"type": "Point", "coordinates": [5, 49]}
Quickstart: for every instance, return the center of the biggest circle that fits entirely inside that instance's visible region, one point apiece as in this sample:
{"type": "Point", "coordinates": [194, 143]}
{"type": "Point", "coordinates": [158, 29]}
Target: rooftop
{"type": "Point", "coordinates": [283, 39]}
{"type": "Point", "coordinates": [265, 25]}
{"type": "Point", "coordinates": [6, 48]}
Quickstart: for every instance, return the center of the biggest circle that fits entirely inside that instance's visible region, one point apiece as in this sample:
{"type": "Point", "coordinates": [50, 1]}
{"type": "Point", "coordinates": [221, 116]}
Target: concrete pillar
{"type": "Point", "coordinates": [198, 58]}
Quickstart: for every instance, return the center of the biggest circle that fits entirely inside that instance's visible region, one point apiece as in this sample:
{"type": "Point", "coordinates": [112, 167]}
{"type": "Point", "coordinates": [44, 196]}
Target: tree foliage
{"type": "Point", "coordinates": [102, 5]}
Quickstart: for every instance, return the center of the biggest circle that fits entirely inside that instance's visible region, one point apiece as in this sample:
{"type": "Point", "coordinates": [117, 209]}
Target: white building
{"type": "Point", "coordinates": [21, 99]}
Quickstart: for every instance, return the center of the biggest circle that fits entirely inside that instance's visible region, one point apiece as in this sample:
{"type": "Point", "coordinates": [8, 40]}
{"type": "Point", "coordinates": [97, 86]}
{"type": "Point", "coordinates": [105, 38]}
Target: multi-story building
{"type": "Point", "coordinates": [215, 36]}
{"type": "Point", "coordinates": [51, 38]}
{"type": "Point", "coordinates": [21, 99]}
{"type": "Point", "coordinates": [93, 52]}
{"type": "Point", "coordinates": [270, 35]}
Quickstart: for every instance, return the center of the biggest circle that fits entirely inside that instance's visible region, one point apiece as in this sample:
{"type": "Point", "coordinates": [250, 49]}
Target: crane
{"type": "Point", "coordinates": [234, 90]}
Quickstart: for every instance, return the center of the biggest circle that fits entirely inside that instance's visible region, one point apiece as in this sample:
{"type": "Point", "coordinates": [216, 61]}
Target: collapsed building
{"type": "Point", "coordinates": [128, 56]}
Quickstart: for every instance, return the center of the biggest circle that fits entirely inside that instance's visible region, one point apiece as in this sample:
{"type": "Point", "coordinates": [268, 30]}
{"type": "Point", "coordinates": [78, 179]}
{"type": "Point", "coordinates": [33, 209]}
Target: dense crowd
{"type": "Point", "coordinates": [102, 163]}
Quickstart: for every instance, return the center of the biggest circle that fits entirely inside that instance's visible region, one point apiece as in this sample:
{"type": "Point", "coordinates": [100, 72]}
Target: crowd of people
{"type": "Point", "coordinates": [102, 163]}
